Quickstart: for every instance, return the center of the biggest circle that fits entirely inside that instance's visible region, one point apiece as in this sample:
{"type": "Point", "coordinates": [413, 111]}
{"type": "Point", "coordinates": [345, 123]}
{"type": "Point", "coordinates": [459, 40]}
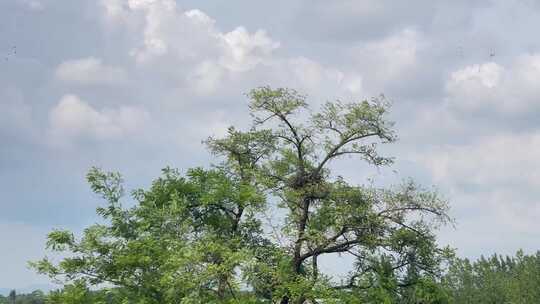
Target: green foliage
{"type": "Point", "coordinates": [496, 279]}
{"type": "Point", "coordinates": [181, 241]}
{"type": "Point", "coordinates": [199, 237]}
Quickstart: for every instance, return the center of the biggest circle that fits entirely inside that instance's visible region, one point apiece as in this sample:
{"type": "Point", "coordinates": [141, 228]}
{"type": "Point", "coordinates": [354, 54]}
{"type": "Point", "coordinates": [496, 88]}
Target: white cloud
{"type": "Point", "coordinates": [243, 51]}
{"type": "Point", "coordinates": [487, 75]}
{"type": "Point", "coordinates": [192, 37]}
{"type": "Point", "coordinates": [391, 57]}
{"type": "Point", "coordinates": [508, 90]}
{"type": "Point", "coordinates": [477, 86]}
{"type": "Point", "coordinates": [73, 117]}
{"type": "Point", "coordinates": [90, 71]}
{"type": "Point", "coordinates": [187, 48]}
{"type": "Point", "coordinates": [171, 34]}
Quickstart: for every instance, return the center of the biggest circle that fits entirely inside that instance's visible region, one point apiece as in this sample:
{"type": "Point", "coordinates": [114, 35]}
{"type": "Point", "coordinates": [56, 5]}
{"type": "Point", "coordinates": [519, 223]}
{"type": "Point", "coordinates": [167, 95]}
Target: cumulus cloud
{"type": "Point", "coordinates": [187, 48]}
{"type": "Point", "coordinates": [243, 51]}
{"type": "Point", "coordinates": [481, 99]}
{"type": "Point", "coordinates": [90, 71]}
{"type": "Point", "coordinates": [73, 117]}
{"type": "Point", "coordinates": [487, 75]}
{"type": "Point", "coordinates": [510, 89]}
{"type": "Point", "coordinates": [191, 36]}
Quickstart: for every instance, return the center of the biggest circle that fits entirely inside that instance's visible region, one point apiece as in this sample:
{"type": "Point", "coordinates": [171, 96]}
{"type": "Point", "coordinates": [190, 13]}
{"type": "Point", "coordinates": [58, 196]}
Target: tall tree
{"type": "Point", "coordinates": [324, 214]}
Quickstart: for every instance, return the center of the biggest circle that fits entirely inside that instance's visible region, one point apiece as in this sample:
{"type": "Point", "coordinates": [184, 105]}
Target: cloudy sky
{"type": "Point", "coordinates": [134, 85]}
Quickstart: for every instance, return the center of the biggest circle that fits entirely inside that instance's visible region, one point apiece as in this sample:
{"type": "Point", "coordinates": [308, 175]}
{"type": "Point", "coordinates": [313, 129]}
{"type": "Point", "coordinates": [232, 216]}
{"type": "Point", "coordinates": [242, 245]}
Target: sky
{"type": "Point", "coordinates": [135, 85]}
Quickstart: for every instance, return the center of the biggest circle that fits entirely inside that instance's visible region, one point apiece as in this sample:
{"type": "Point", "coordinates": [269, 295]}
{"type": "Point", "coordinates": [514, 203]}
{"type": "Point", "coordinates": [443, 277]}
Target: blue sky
{"type": "Point", "coordinates": [135, 85]}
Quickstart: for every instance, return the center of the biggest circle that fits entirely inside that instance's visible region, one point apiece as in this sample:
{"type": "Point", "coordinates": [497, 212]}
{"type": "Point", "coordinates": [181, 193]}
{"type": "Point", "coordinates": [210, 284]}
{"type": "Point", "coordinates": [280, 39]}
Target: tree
{"type": "Point", "coordinates": [12, 296]}
{"type": "Point", "coordinates": [199, 238]}
{"type": "Point", "coordinates": [182, 241]}
{"type": "Point", "coordinates": [326, 215]}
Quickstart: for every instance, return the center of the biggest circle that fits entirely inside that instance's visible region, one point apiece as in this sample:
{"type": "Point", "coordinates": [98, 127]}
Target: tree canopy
{"type": "Point", "coordinates": [203, 237]}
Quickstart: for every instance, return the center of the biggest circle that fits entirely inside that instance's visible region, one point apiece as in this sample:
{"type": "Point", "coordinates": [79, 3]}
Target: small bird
{"type": "Point", "coordinates": [12, 52]}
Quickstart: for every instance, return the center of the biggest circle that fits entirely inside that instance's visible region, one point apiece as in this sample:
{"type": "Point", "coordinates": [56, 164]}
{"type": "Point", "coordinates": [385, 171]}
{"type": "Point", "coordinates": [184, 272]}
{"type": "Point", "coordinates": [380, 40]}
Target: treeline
{"type": "Point", "coordinates": [497, 279]}
{"type": "Point", "coordinates": [35, 297]}
{"type": "Point", "coordinates": [70, 294]}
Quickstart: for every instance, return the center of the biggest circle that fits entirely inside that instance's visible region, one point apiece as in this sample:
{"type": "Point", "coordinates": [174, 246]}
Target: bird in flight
{"type": "Point", "coordinates": [12, 52]}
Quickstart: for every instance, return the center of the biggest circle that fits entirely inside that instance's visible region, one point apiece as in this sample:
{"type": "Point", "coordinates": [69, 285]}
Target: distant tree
{"type": "Point", "coordinates": [36, 297]}
{"type": "Point", "coordinates": [12, 296]}
{"type": "Point", "coordinates": [200, 238]}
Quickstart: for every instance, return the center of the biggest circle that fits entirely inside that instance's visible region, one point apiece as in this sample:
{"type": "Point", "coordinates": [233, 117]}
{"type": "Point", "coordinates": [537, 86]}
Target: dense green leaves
{"type": "Point", "coordinates": [182, 240]}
